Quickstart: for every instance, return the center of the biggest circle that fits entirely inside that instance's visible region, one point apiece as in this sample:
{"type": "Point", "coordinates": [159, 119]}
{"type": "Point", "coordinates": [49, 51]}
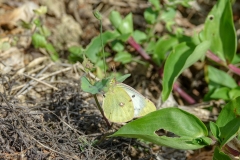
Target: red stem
{"type": "Point", "coordinates": [216, 59]}
{"type": "Point", "coordinates": [176, 87]}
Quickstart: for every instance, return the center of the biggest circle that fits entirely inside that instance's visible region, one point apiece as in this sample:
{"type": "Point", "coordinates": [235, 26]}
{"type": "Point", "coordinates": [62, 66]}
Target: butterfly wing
{"type": "Point", "coordinates": [142, 105]}
{"type": "Point", "coordinates": [117, 105]}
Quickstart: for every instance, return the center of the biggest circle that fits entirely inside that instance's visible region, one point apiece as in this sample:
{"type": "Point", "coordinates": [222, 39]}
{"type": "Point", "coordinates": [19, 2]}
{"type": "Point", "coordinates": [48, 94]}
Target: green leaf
{"type": "Point", "coordinates": [86, 86]}
{"type": "Point", "coordinates": [156, 4]}
{"type": "Point", "coordinates": [215, 131]}
{"type": "Point", "coordinates": [37, 22]}
{"type": "Point", "coordinates": [76, 53]}
{"type": "Point", "coordinates": [220, 93]}
{"type": "Point", "coordinates": [139, 36]}
{"type": "Point", "coordinates": [220, 77]}
{"type": "Point", "coordinates": [183, 56]}
{"type": "Point", "coordinates": [236, 59]}
{"type": "Point", "coordinates": [115, 18]}
{"type": "Point", "coordinates": [95, 46]}
{"type": "Point", "coordinates": [218, 155]}
{"type": "Point", "coordinates": [151, 46]}
{"type": "Point", "coordinates": [234, 93]}
{"type": "Point", "coordinates": [150, 15]}
{"type": "Point", "coordinates": [230, 111]}
{"type": "Point", "coordinates": [123, 57]}
{"type": "Point", "coordinates": [229, 120]}
{"type": "Point", "coordinates": [168, 15]}
{"type": "Point", "coordinates": [123, 78]}
{"type": "Point", "coordinates": [220, 20]}
{"type": "Point", "coordinates": [163, 46]}
{"type": "Point", "coordinates": [53, 53]}
{"type": "Point", "coordinates": [230, 130]}
{"type": "Point", "coordinates": [126, 26]}
{"type": "Point", "coordinates": [39, 41]}
{"type": "Point", "coordinates": [190, 130]}
{"type": "Point", "coordinates": [117, 45]}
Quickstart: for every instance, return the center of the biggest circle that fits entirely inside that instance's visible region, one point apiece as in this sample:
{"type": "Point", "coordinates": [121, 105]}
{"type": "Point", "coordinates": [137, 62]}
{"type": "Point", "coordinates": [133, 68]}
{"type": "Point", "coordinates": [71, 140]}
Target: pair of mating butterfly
{"type": "Point", "coordinates": [122, 103]}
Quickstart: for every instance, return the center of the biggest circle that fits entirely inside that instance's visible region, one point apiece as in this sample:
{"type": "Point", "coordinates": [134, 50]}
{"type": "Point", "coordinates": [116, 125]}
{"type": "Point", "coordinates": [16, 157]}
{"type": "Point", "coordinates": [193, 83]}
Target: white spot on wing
{"type": "Point", "coordinates": [139, 101]}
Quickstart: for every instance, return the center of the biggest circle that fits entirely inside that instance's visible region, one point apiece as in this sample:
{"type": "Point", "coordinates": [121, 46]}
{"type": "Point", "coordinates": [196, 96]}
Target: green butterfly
{"type": "Point", "coordinates": [122, 103]}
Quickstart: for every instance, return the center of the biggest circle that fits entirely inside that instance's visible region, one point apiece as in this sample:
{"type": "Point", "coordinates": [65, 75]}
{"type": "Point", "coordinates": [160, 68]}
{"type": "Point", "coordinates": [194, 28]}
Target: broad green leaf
{"type": "Point", "coordinates": [220, 93]}
{"type": "Point", "coordinates": [76, 53]}
{"type": "Point", "coordinates": [39, 41]}
{"type": "Point", "coordinates": [215, 131]}
{"type": "Point", "coordinates": [191, 132]}
{"type": "Point", "coordinates": [126, 25]}
{"type": "Point", "coordinates": [123, 57]}
{"type": "Point", "coordinates": [115, 18]}
{"type": "Point", "coordinates": [151, 46]}
{"type": "Point", "coordinates": [168, 15]}
{"type": "Point", "coordinates": [156, 4]}
{"type": "Point", "coordinates": [218, 155]}
{"type": "Point", "coordinates": [162, 47]}
{"type": "Point", "coordinates": [117, 45]}
{"type": "Point", "coordinates": [234, 93]}
{"type": "Point", "coordinates": [230, 130]}
{"type": "Point", "coordinates": [100, 85]}
{"type": "Point", "coordinates": [150, 15]}
{"type": "Point", "coordinates": [123, 78]}
{"type": "Point", "coordinates": [182, 56]}
{"type": "Point", "coordinates": [220, 77]}
{"type": "Point", "coordinates": [95, 46]}
{"type": "Point", "coordinates": [124, 37]}
{"type": "Point", "coordinates": [229, 120]}
{"type": "Point", "coordinates": [139, 36]}
{"type": "Point", "coordinates": [230, 111]}
{"type": "Point", "coordinates": [219, 21]}
{"type": "Point", "coordinates": [236, 59]}
{"type": "Point", "coordinates": [86, 86]}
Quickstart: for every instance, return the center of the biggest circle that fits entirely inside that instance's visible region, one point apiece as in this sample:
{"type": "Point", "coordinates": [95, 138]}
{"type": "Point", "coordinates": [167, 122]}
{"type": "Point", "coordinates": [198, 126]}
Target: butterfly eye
{"type": "Point", "coordinates": [133, 96]}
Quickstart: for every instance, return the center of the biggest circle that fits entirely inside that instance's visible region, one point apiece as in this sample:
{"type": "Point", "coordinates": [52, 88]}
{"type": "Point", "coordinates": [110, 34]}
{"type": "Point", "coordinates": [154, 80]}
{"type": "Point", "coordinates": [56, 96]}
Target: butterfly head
{"type": "Point", "coordinates": [112, 82]}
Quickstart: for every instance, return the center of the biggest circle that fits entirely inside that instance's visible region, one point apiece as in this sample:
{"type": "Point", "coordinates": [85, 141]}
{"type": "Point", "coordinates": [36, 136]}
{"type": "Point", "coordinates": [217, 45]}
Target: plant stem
{"type": "Point", "coordinates": [103, 54]}
{"type": "Point", "coordinates": [176, 87]}
{"type": "Point", "coordinates": [216, 59]}
{"type": "Point", "coordinates": [140, 50]}
{"type": "Point", "coordinates": [101, 110]}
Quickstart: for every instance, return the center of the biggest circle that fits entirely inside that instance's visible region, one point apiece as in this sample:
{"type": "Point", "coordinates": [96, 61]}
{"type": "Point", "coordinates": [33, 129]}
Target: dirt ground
{"type": "Point", "coordinates": [43, 112]}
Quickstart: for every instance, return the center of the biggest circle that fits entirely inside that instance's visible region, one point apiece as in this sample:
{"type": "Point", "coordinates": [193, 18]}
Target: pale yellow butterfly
{"type": "Point", "coordinates": [122, 103]}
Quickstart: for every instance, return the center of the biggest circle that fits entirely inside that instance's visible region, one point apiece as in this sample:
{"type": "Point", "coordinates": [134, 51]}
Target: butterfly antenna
{"type": "Point", "coordinates": [98, 15]}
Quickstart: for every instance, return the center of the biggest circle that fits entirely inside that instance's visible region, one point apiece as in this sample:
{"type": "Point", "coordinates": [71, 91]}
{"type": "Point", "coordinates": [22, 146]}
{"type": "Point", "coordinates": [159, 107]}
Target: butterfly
{"type": "Point", "coordinates": [122, 103]}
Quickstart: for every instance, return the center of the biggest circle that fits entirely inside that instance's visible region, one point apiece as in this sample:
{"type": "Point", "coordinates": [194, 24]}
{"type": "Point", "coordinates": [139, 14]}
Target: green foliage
{"type": "Point", "coordinates": [123, 57]}
{"type": "Point", "coordinates": [194, 137]}
{"type": "Point", "coordinates": [183, 56]}
{"type": "Point", "coordinates": [39, 41]}
{"type": "Point", "coordinates": [219, 155]}
{"type": "Point", "coordinates": [39, 37]}
{"type": "Point", "coordinates": [227, 126]}
{"type": "Point", "coordinates": [219, 89]}
{"type": "Point", "coordinates": [220, 20]}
